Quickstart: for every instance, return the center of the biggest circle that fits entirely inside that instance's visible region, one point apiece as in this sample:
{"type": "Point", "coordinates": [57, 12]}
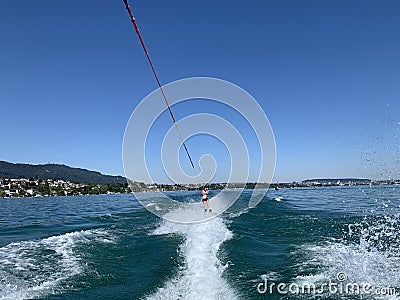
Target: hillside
{"type": "Point", "coordinates": [56, 171]}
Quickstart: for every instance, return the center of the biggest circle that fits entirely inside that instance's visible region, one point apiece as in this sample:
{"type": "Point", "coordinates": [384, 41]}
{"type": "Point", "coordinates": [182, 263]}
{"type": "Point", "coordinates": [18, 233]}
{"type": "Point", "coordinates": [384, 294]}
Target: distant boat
{"type": "Point", "coordinates": [277, 188]}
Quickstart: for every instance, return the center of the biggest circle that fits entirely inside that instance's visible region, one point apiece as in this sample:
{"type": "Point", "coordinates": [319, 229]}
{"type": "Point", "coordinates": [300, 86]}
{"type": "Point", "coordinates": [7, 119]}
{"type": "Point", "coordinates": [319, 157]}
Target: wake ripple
{"type": "Point", "coordinates": [37, 268]}
{"type": "Point", "coordinates": [201, 277]}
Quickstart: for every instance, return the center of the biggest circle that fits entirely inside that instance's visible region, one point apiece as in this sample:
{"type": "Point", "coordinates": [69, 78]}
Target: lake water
{"type": "Point", "coordinates": [110, 247]}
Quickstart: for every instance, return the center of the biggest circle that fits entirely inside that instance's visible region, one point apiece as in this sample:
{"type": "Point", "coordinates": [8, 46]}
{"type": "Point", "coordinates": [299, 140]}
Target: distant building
{"type": "Point", "coordinates": [337, 181]}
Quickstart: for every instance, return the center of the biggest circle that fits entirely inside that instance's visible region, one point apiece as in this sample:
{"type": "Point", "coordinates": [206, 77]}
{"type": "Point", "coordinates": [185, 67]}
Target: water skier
{"type": "Point", "coordinates": [204, 198]}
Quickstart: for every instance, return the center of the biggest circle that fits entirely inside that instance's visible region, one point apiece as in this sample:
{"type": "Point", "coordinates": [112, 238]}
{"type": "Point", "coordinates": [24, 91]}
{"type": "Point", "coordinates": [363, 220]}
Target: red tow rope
{"type": "Point", "coordinates": [155, 75]}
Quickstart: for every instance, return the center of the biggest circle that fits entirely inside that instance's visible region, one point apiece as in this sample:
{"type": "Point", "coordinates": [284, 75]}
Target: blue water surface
{"type": "Point", "coordinates": [110, 247]}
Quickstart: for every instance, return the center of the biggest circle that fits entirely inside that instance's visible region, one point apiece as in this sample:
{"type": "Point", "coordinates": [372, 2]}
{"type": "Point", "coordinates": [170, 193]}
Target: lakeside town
{"type": "Point", "coordinates": [31, 187]}
{"type": "Point", "coordinates": [34, 187]}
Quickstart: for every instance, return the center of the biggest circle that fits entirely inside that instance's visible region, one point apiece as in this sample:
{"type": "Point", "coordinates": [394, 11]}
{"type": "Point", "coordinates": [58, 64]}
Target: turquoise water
{"type": "Point", "coordinates": [110, 247]}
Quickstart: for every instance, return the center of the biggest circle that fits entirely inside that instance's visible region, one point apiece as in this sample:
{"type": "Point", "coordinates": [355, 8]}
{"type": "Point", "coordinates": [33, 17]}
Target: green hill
{"type": "Point", "coordinates": [56, 171]}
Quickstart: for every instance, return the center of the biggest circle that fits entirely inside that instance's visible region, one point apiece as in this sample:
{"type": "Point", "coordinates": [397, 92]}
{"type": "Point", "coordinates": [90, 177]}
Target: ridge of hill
{"type": "Point", "coordinates": [57, 172]}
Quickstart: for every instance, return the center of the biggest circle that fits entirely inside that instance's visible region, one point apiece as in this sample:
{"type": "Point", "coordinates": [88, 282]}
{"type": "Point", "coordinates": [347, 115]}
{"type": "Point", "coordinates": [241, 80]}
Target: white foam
{"type": "Point", "coordinates": [194, 212]}
{"type": "Point", "coordinates": [201, 277]}
{"type": "Point", "coordinates": [270, 276]}
{"type": "Point", "coordinates": [32, 269]}
{"type": "Point", "coordinates": [188, 211]}
{"type": "Point", "coordinates": [239, 213]}
{"type": "Point", "coordinates": [373, 259]}
{"type": "Point", "coordinates": [360, 265]}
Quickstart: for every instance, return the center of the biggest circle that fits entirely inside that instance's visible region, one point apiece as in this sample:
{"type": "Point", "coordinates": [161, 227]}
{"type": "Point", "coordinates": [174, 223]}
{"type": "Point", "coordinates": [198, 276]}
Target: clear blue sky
{"type": "Point", "coordinates": [327, 74]}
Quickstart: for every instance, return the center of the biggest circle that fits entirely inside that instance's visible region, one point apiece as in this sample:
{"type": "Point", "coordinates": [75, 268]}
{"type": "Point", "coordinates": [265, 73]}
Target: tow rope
{"type": "Point", "coordinates": [133, 20]}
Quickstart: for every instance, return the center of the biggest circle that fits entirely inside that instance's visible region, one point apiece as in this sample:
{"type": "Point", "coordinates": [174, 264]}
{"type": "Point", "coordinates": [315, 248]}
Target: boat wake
{"type": "Point", "coordinates": [368, 254]}
{"type": "Point", "coordinates": [201, 276]}
{"type": "Point", "coordinates": [37, 268]}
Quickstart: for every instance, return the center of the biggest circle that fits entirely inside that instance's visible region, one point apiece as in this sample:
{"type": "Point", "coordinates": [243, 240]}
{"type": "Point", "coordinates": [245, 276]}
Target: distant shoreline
{"type": "Point", "coordinates": [27, 180]}
{"type": "Point", "coordinates": [30, 188]}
